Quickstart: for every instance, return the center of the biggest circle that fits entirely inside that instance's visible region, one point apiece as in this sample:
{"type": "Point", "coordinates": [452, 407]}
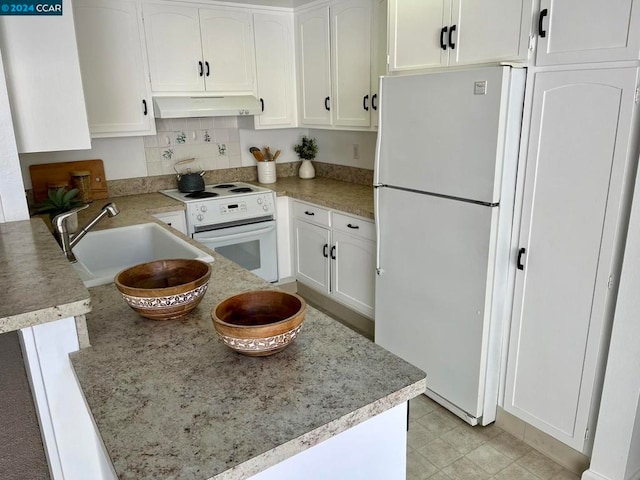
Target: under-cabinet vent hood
{"type": "Point", "coordinates": [181, 107]}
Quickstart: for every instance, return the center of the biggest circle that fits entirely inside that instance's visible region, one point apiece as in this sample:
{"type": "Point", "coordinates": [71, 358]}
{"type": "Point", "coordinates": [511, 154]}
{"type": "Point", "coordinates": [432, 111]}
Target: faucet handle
{"type": "Point", "coordinates": [59, 222]}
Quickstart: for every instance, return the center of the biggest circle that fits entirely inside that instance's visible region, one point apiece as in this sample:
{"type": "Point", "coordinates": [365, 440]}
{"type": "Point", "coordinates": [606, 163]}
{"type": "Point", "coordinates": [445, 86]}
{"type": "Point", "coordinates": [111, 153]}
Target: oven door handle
{"type": "Point", "coordinates": [237, 236]}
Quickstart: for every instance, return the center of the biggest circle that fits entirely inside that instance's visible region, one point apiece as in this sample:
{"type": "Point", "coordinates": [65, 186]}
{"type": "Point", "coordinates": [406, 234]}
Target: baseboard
{"type": "Point", "coordinates": [566, 456]}
{"type": "Point", "coordinates": [590, 475]}
{"type": "Point", "coordinates": [344, 315]}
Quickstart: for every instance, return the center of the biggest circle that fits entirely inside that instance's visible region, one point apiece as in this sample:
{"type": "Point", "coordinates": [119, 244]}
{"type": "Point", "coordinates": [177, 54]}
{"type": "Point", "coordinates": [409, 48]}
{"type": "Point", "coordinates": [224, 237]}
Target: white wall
{"type": "Point", "coordinates": [336, 147]}
{"type": "Point", "coordinates": [13, 204]}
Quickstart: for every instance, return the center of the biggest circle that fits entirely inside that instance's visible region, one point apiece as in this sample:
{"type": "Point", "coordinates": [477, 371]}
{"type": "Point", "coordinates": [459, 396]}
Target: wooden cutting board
{"type": "Point", "coordinates": [44, 174]}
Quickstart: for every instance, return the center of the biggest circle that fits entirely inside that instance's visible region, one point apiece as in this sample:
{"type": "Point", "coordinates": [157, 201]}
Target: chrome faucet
{"type": "Point", "coordinates": [67, 240]}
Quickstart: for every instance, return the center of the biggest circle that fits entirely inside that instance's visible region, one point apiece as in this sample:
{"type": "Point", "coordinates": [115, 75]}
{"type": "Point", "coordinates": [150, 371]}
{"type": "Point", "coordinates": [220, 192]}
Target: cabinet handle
{"type": "Point", "coordinates": [307, 212]}
{"type": "Point", "coordinates": [451, 30]}
{"type": "Point", "coordinates": [200, 68]}
{"type": "Point", "coordinates": [326, 104]}
{"type": "Point", "coordinates": [365, 99]}
{"type": "Point", "coordinates": [333, 252]}
{"type": "Point", "coordinates": [543, 14]}
{"type": "Point", "coordinates": [262, 104]}
{"type": "Point", "coordinates": [443, 45]}
{"type": "Point", "coordinates": [208, 69]}
{"type": "Point", "coordinates": [324, 250]}
{"type": "Point", "coordinates": [373, 101]}
{"type": "Point", "coordinates": [144, 108]}
{"type": "Point", "coordinates": [519, 263]}
{"type": "Point", "coordinates": [355, 227]}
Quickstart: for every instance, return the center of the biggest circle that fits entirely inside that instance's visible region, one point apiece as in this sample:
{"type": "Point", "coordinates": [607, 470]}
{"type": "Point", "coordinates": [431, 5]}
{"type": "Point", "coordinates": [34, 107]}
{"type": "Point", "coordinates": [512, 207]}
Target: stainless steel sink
{"type": "Point", "coordinates": [102, 254]}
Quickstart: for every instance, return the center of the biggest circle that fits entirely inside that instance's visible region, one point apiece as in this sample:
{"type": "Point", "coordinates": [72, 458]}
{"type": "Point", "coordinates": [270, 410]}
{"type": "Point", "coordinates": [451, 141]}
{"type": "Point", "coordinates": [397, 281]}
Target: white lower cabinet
{"type": "Point", "coordinates": [175, 220]}
{"type": "Point", "coordinates": [568, 255]}
{"type": "Point", "coordinates": [334, 253]}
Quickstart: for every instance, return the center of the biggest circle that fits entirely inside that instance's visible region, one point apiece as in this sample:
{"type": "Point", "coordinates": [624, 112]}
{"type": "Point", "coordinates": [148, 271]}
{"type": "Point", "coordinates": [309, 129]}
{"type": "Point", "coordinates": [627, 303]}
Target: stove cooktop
{"type": "Point", "coordinates": [221, 190]}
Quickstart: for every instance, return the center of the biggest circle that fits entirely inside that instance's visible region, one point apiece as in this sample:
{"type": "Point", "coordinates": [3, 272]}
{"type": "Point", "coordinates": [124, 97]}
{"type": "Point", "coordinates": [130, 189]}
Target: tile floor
{"type": "Point", "coordinates": [443, 447]}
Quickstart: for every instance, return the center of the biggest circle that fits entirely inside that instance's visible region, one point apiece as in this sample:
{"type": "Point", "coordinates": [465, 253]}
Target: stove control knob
{"type": "Point", "coordinates": [203, 208]}
{"type": "Point", "coordinates": [264, 207]}
{"type": "Point", "coordinates": [259, 201]}
{"type": "Point", "coordinates": [200, 217]}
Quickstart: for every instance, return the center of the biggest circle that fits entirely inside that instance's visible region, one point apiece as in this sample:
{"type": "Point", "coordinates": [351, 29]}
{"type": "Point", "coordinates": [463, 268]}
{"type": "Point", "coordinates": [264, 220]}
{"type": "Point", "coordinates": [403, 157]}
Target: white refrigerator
{"type": "Point", "coordinates": [444, 180]}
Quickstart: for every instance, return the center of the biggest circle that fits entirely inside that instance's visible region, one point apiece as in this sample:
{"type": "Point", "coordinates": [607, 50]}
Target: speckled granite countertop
{"type": "Point", "coordinates": [38, 283]}
{"type": "Point", "coordinates": [172, 401]}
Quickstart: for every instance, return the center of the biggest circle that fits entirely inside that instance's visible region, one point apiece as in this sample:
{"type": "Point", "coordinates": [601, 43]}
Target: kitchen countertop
{"type": "Point", "coordinates": [38, 283]}
{"type": "Point", "coordinates": [172, 401]}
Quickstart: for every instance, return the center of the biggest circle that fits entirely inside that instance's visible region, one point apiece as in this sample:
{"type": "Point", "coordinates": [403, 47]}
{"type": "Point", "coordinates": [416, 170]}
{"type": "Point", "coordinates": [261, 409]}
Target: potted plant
{"type": "Point", "coordinates": [60, 201]}
{"type": "Point", "coordinates": [307, 151]}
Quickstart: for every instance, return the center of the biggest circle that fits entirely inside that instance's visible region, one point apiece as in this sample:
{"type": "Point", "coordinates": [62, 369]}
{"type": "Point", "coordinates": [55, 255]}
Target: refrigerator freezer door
{"type": "Point", "coordinates": [433, 291]}
{"type": "Point", "coordinates": [444, 132]}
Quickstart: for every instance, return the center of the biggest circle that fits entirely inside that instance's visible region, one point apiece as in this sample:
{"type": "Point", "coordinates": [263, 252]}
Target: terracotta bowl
{"type": "Point", "coordinates": [164, 289]}
{"type": "Point", "coordinates": [260, 322]}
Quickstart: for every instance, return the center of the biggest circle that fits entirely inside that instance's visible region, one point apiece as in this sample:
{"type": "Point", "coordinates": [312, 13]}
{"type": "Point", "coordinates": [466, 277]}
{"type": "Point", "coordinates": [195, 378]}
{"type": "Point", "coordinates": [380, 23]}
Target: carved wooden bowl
{"type": "Point", "coordinates": [259, 322]}
{"type": "Point", "coordinates": [164, 289]}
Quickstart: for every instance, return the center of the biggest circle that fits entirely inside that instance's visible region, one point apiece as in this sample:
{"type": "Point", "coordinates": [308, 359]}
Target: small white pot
{"type": "Point", "coordinates": [306, 169]}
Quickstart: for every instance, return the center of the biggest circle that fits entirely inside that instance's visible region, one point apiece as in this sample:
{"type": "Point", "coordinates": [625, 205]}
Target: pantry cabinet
{"type": "Point", "coordinates": [579, 156]}
{"type": "Point", "coordinates": [275, 57]}
{"type": "Point", "coordinates": [438, 33]}
{"type": "Point", "coordinates": [114, 73]}
{"type": "Point", "coordinates": [200, 49]}
{"type": "Point", "coordinates": [44, 83]}
{"type": "Point", "coordinates": [334, 253]}
{"type": "Point", "coordinates": [581, 31]}
{"type": "Point", "coordinates": [335, 45]}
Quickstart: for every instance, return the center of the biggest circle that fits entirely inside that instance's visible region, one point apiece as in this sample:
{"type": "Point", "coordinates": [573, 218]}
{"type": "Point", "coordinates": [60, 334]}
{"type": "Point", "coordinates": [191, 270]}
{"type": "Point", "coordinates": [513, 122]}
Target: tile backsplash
{"type": "Point", "coordinates": [214, 143]}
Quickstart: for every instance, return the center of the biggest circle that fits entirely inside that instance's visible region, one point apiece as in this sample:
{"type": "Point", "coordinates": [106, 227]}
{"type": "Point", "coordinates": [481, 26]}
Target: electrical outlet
{"type": "Point", "coordinates": [356, 151]}
{"type": "Point", "coordinates": [222, 149]}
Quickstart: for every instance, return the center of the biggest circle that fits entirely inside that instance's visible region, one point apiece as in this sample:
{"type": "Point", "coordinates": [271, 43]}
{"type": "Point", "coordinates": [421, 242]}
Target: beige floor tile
{"type": "Point", "coordinates": [440, 476]}
{"type": "Point", "coordinates": [490, 431]}
{"type": "Point", "coordinates": [541, 466]}
{"type": "Point", "coordinates": [565, 475]}
{"type": "Point", "coordinates": [418, 435]}
{"type": "Point", "coordinates": [510, 446]}
{"type": "Point", "coordinates": [489, 459]}
{"type": "Point", "coordinates": [439, 421]}
{"type": "Point", "coordinates": [440, 453]}
{"type": "Point", "coordinates": [418, 467]}
{"type": "Point", "coordinates": [515, 472]}
{"type": "Point", "coordinates": [420, 406]}
{"type": "Point", "coordinates": [465, 469]}
{"type": "Point", "coordinates": [464, 438]}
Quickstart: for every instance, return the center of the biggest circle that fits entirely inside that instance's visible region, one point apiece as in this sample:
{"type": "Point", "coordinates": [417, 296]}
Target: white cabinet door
{"type": "Point", "coordinates": [489, 31]}
{"type": "Point", "coordinates": [351, 62]}
{"type": "Point", "coordinates": [274, 41]}
{"type": "Point", "coordinates": [580, 31]}
{"type": "Point", "coordinates": [312, 244]}
{"type": "Point", "coordinates": [174, 48]}
{"type": "Point", "coordinates": [578, 152]}
{"type": "Point", "coordinates": [314, 75]}
{"type": "Point", "coordinates": [114, 76]}
{"type": "Point", "coordinates": [227, 49]}
{"type": "Point", "coordinates": [416, 30]}
{"type": "Point", "coordinates": [353, 271]}
{"type": "Point", "coordinates": [175, 220]}
{"type": "Point", "coordinates": [42, 70]}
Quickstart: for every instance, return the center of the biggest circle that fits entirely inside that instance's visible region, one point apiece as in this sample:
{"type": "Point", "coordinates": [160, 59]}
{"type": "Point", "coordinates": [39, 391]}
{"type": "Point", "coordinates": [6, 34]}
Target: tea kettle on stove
{"type": "Point", "coordinates": [189, 182]}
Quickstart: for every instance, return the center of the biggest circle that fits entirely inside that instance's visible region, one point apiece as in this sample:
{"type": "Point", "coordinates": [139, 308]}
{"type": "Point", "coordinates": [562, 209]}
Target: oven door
{"type": "Point", "coordinates": [251, 246]}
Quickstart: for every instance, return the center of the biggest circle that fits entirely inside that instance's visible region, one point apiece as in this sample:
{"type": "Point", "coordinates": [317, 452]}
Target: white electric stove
{"type": "Point", "coordinates": [236, 219]}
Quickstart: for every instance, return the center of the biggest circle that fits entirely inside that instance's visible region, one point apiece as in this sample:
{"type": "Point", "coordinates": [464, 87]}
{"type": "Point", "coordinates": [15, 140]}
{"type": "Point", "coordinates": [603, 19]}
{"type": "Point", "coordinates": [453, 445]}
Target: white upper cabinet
{"type": "Point", "coordinates": [581, 31]}
{"type": "Point", "coordinates": [335, 46]}
{"type": "Point", "coordinates": [378, 55]}
{"type": "Point", "coordinates": [314, 71]}
{"type": "Point", "coordinates": [42, 71]}
{"type": "Point", "coordinates": [114, 74]}
{"type": "Point", "coordinates": [274, 42]}
{"type": "Point", "coordinates": [436, 33]}
{"type": "Point", "coordinates": [199, 49]}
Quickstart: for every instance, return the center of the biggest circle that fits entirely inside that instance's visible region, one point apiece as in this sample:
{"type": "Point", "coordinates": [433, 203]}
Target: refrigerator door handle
{"type": "Point", "coordinates": [376, 214]}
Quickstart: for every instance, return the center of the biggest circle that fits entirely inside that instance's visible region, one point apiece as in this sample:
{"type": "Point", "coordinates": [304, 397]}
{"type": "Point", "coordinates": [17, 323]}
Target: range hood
{"type": "Point", "coordinates": [181, 107]}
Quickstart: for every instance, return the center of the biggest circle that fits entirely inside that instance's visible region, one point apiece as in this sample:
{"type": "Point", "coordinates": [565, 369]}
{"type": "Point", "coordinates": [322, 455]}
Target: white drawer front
{"type": "Point", "coordinates": [354, 225]}
{"type": "Point", "coordinates": [311, 213]}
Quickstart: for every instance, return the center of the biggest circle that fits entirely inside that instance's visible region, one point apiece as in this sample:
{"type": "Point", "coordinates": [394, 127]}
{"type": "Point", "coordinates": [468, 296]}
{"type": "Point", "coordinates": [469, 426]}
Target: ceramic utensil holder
{"type": "Point", "coordinates": [266, 172]}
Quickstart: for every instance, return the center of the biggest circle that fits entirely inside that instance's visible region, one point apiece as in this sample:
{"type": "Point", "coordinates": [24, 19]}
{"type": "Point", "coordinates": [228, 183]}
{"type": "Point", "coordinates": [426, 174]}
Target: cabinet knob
{"type": "Point", "coordinates": [541, 31]}
{"type": "Point", "coordinates": [200, 68]}
{"type": "Point", "coordinates": [325, 247]}
{"type": "Point", "coordinates": [307, 212]}
{"type": "Point", "coordinates": [208, 69]}
{"type": "Point", "coordinates": [365, 101]}
{"type": "Point", "coordinates": [519, 263]}
{"type": "Point", "coordinates": [333, 252]}
{"type": "Point", "coordinates": [443, 32]}
{"type": "Point", "coordinates": [144, 108]}
{"type": "Point", "coordinates": [326, 104]}
{"type": "Point", "coordinates": [262, 104]}
{"type": "Point", "coordinates": [374, 105]}
{"type": "Point", "coordinates": [355, 227]}
{"type": "Point", "coordinates": [451, 30]}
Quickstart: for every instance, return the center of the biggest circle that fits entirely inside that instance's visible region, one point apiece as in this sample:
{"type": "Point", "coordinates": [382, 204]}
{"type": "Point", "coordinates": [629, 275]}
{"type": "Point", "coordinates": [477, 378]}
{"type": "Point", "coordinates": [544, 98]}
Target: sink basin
{"type": "Point", "coordinates": [102, 254]}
